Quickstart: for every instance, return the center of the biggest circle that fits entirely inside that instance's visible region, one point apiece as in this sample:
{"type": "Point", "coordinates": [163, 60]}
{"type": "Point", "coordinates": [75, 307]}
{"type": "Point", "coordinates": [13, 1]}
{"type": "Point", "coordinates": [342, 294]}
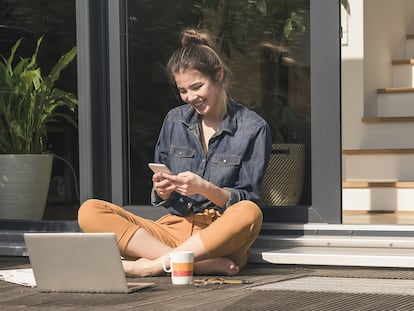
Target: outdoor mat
{"type": "Point", "coordinates": [343, 285]}
{"type": "Point", "coordinates": [316, 301]}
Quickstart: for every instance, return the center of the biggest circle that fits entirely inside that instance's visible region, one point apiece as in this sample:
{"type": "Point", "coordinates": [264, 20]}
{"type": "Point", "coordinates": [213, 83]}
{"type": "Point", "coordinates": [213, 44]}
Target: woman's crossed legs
{"type": "Point", "coordinates": [220, 246]}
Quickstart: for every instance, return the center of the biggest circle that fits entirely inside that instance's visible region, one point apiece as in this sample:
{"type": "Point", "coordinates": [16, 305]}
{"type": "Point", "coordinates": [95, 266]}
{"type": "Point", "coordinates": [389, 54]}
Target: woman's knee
{"type": "Point", "coordinates": [86, 212]}
{"type": "Point", "coordinates": [249, 211]}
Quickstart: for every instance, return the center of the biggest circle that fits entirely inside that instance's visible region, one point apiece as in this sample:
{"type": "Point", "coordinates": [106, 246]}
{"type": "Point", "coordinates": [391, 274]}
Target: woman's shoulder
{"type": "Point", "coordinates": [179, 113]}
{"type": "Point", "coordinates": [246, 114]}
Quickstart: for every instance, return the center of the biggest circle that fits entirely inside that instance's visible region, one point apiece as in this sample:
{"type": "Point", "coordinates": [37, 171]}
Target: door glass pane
{"type": "Point", "coordinates": [56, 22]}
{"type": "Point", "coordinates": [266, 45]}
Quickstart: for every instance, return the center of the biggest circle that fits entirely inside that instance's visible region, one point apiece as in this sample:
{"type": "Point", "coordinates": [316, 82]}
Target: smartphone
{"type": "Point", "coordinates": [158, 167]}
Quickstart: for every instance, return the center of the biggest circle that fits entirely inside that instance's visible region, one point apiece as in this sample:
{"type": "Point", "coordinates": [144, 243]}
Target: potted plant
{"type": "Point", "coordinates": [29, 102]}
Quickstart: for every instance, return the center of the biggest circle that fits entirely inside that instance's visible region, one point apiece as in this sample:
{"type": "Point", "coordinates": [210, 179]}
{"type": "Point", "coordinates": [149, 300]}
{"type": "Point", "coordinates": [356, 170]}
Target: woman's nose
{"type": "Point", "coordinates": [192, 96]}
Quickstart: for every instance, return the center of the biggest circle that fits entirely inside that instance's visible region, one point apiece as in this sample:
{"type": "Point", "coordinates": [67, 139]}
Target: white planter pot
{"type": "Point", "coordinates": [283, 181]}
{"type": "Point", "coordinates": [24, 185]}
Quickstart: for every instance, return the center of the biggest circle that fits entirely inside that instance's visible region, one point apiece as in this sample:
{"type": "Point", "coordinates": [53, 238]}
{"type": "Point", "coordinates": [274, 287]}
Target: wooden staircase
{"type": "Point", "coordinates": [381, 177]}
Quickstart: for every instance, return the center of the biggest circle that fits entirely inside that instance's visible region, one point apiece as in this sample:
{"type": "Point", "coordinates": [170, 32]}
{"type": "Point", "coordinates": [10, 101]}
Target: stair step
{"type": "Point", "coordinates": [384, 135]}
{"type": "Point", "coordinates": [396, 90]}
{"type": "Point", "coordinates": [375, 179]}
{"type": "Point", "coordinates": [387, 119]}
{"type": "Point", "coordinates": [335, 256]}
{"type": "Point", "coordinates": [403, 61]}
{"type": "Point", "coordinates": [270, 241]}
{"type": "Point", "coordinates": [378, 165]}
{"type": "Point", "coordinates": [12, 231]}
{"type": "Point", "coordinates": [393, 104]}
{"type": "Point", "coordinates": [13, 249]}
{"type": "Point", "coordinates": [378, 184]}
{"type": "Point", "coordinates": [378, 151]}
{"type": "Point", "coordinates": [39, 225]}
{"type": "Point", "coordinates": [403, 73]}
{"type": "Point", "coordinates": [384, 199]}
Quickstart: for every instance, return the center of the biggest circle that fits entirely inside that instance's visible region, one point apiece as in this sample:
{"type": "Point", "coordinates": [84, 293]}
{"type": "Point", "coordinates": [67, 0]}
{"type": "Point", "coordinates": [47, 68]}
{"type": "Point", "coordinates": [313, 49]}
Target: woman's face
{"type": "Point", "coordinates": [199, 91]}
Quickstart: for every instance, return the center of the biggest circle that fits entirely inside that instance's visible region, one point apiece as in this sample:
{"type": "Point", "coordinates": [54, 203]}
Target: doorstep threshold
{"type": "Point", "coordinates": [336, 256]}
{"type": "Point", "coordinates": [335, 245]}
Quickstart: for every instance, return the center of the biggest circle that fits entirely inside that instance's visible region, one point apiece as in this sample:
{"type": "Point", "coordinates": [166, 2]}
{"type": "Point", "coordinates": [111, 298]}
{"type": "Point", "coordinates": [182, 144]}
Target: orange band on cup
{"type": "Point", "coordinates": [182, 269]}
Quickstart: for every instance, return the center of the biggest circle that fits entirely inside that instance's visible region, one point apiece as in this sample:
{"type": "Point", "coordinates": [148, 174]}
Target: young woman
{"type": "Point", "coordinates": [218, 151]}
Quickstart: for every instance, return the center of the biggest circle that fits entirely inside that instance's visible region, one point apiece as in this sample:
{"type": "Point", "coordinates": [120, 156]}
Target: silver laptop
{"type": "Point", "coordinates": [78, 262]}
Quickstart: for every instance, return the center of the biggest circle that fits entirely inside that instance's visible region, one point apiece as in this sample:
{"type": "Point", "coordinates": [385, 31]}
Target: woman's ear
{"type": "Point", "coordinates": [220, 75]}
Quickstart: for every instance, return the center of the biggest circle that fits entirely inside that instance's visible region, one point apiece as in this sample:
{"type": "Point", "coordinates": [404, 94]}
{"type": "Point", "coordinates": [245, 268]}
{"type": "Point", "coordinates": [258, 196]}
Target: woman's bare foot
{"type": "Point", "coordinates": [145, 267]}
{"type": "Point", "coordinates": [142, 267]}
{"type": "Point", "coordinates": [219, 265]}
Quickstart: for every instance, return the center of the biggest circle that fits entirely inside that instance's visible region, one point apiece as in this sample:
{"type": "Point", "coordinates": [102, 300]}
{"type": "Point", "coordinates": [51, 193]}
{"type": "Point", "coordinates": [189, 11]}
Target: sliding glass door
{"type": "Point", "coordinates": [266, 44]}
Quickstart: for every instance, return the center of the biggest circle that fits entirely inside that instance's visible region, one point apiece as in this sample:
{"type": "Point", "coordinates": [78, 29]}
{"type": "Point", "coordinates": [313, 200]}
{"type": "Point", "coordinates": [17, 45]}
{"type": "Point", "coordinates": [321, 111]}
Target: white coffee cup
{"type": "Point", "coordinates": [181, 267]}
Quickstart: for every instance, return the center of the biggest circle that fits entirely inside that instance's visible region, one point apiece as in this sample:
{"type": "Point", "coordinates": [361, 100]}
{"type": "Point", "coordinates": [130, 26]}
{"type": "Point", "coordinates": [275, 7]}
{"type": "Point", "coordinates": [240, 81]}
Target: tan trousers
{"type": "Point", "coordinates": [230, 234]}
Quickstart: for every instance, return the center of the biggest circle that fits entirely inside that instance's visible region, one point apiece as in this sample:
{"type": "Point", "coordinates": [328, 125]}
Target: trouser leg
{"type": "Point", "coordinates": [101, 216]}
{"type": "Point", "coordinates": [232, 234]}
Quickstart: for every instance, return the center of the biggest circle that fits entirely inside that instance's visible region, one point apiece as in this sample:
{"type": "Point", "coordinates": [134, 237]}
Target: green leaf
{"type": "Point", "coordinates": [347, 7]}
{"type": "Point", "coordinates": [29, 101]}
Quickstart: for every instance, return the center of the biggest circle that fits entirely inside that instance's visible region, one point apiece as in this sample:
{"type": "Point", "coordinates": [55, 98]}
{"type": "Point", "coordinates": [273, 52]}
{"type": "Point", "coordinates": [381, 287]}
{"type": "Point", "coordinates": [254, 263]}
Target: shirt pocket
{"type": "Point", "coordinates": [181, 158]}
{"type": "Point", "coordinates": [225, 169]}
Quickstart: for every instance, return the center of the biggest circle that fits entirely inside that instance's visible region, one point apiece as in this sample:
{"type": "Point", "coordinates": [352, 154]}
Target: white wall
{"type": "Point", "coordinates": [352, 75]}
{"type": "Point", "coordinates": [384, 31]}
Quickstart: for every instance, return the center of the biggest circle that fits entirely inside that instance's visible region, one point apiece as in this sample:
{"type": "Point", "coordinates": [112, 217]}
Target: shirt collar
{"type": "Point", "coordinates": [229, 124]}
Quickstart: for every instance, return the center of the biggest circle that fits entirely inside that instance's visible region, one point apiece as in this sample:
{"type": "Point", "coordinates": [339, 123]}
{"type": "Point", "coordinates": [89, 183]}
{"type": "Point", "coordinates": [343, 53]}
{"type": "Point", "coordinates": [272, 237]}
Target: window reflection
{"type": "Point", "coordinates": [266, 45]}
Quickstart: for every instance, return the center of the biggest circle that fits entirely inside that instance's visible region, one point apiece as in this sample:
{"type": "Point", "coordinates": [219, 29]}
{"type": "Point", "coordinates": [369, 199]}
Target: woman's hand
{"type": "Point", "coordinates": [186, 183]}
{"type": "Point", "coordinates": [162, 186]}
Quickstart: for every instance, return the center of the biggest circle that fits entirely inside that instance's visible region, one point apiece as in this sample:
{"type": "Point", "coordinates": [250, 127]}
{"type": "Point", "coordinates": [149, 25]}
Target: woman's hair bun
{"type": "Point", "coordinates": [191, 36]}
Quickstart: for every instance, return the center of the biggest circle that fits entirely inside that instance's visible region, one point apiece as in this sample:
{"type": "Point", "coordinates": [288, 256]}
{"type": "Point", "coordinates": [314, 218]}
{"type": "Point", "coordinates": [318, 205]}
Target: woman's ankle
{"type": "Point", "coordinates": [142, 267]}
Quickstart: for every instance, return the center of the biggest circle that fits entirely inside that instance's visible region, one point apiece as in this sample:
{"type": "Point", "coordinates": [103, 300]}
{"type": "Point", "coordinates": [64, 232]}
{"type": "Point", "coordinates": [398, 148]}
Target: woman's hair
{"type": "Point", "coordinates": [198, 51]}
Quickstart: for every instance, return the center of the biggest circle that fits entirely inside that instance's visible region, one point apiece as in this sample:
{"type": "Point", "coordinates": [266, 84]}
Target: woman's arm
{"type": "Point", "coordinates": [252, 167]}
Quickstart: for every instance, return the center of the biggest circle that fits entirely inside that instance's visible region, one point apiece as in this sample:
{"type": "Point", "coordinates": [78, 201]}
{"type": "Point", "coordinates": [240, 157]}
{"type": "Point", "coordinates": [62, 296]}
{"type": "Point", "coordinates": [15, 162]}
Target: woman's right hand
{"type": "Point", "coordinates": [162, 186]}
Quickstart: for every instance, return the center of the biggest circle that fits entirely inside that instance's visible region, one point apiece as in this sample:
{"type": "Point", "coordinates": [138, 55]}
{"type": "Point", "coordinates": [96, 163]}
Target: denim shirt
{"type": "Point", "coordinates": [237, 157]}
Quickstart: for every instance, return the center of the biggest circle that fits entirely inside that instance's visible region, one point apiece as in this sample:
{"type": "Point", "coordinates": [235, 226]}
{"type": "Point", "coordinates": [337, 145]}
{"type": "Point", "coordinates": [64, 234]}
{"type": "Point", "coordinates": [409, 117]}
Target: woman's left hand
{"type": "Point", "coordinates": [186, 183]}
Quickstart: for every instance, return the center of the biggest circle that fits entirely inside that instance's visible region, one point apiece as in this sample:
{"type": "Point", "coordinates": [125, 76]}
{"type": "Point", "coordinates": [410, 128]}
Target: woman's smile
{"type": "Point", "coordinates": [199, 104]}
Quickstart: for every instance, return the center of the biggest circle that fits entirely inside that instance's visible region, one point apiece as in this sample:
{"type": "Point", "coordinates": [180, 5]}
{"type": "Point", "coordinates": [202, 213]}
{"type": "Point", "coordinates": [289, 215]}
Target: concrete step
{"type": "Point", "coordinates": [11, 233]}
{"type": "Point", "coordinates": [347, 245]}
{"type": "Point", "coordinates": [335, 256]}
